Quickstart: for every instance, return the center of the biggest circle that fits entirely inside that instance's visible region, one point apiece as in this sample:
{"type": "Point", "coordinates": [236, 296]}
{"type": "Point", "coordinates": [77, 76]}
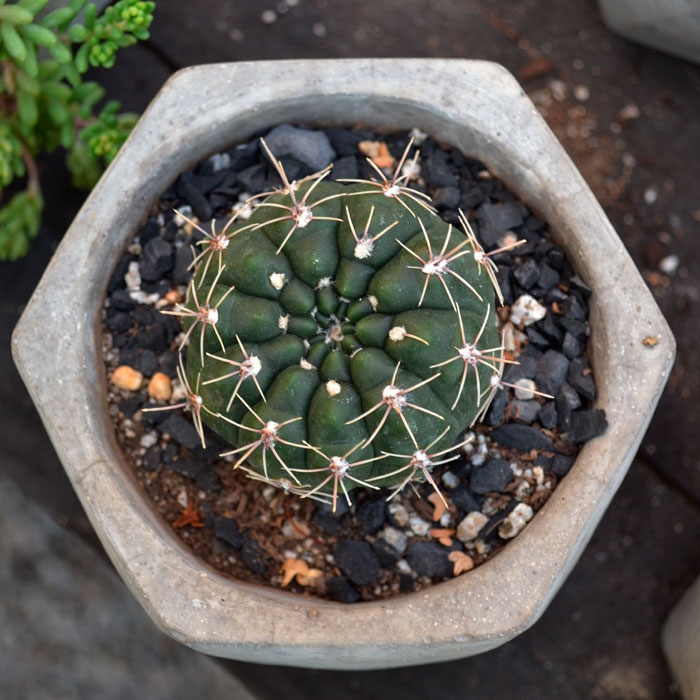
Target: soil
{"type": "Point", "coordinates": [252, 532]}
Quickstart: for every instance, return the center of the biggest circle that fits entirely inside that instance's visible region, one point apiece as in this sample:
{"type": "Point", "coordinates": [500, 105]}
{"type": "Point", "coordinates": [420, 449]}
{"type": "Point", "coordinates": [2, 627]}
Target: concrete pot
{"type": "Point", "coordinates": [672, 26]}
{"type": "Point", "coordinates": [475, 106]}
{"type": "Point", "coordinates": [680, 639]}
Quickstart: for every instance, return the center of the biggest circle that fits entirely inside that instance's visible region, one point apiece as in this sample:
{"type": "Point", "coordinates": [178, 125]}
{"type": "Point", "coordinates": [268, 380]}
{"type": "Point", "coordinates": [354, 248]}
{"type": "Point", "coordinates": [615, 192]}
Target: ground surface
{"type": "Point", "coordinates": [628, 117]}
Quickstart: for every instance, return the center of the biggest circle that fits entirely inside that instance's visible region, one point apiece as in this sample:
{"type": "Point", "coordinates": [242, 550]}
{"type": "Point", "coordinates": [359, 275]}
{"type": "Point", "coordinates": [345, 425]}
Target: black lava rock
{"type": "Point", "coordinates": [561, 464]}
{"type": "Point", "coordinates": [339, 589]}
{"type": "Point", "coordinates": [183, 259]}
{"type": "Point", "coordinates": [537, 339]}
{"type": "Point", "coordinates": [494, 475]}
{"type": "Point", "coordinates": [571, 346]}
{"type": "Point", "coordinates": [497, 409]}
{"type": "Point", "coordinates": [252, 556]}
{"type": "Point", "coordinates": [147, 363]}
{"type": "Point", "coordinates": [156, 260]}
{"type": "Point", "coordinates": [372, 515]}
{"type": "Point", "coordinates": [121, 300]}
{"type": "Point", "coordinates": [567, 402]}
{"type": "Point", "coordinates": [438, 171]}
{"type": "Point", "coordinates": [551, 373]}
{"type": "Point", "coordinates": [581, 378]}
{"type": "Point", "coordinates": [429, 559]}
{"type": "Point", "coordinates": [548, 415]}
{"type": "Point", "coordinates": [521, 437]}
{"type": "Point", "coordinates": [152, 458]}
{"type": "Point", "coordinates": [548, 277]}
{"type": "Point", "coordinates": [170, 451]}
{"type": "Point", "coordinates": [328, 522]}
{"type": "Point", "coordinates": [407, 583]}
{"type": "Point", "coordinates": [527, 274]}
{"type": "Point", "coordinates": [525, 369]}
{"type": "Point", "coordinates": [129, 406]}
{"type": "Point", "coordinates": [343, 141]}
{"type": "Point", "coordinates": [579, 329]}
{"type": "Point", "coordinates": [227, 530]}
{"type": "Point", "coordinates": [496, 219]}
{"type": "Point", "coordinates": [446, 197]}
{"type": "Point", "coordinates": [118, 321]}
{"type": "Point", "coordinates": [550, 329]}
{"type": "Point", "coordinates": [116, 281]}
{"type": "Point", "coordinates": [200, 471]}
{"type": "Point", "coordinates": [525, 411]}
{"type": "Point", "coordinates": [387, 555]}
{"type": "Point", "coordinates": [244, 155]}
{"type": "Point", "coordinates": [464, 500]}
{"type": "Point", "coordinates": [345, 168]}
{"type": "Point", "coordinates": [253, 179]}
{"type": "Point", "coordinates": [154, 338]}
{"type": "Point", "coordinates": [585, 425]}
{"type": "Point", "coordinates": [575, 308]}
{"type": "Point", "coordinates": [181, 430]}
{"type": "Point", "coordinates": [357, 561]}
{"type": "Point", "coordinates": [312, 148]}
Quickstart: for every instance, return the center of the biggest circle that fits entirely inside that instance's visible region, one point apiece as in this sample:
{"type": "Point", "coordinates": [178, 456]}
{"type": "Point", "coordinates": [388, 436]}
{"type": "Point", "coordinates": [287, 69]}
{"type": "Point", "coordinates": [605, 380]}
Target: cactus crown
{"type": "Point", "coordinates": [342, 336]}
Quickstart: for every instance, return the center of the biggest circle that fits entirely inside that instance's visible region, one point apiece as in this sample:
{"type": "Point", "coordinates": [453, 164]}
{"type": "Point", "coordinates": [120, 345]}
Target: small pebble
{"type": "Point", "coordinates": [527, 310]}
{"type": "Point", "coordinates": [399, 514]}
{"type": "Point", "coordinates": [396, 538]}
{"type": "Point", "coordinates": [160, 387]}
{"type": "Point", "coordinates": [516, 521]}
{"type": "Point", "coordinates": [470, 526]}
{"type": "Point", "coordinates": [127, 378]}
{"type": "Point", "coordinates": [525, 389]}
{"type": "Point", "coordinates": [419, 526]}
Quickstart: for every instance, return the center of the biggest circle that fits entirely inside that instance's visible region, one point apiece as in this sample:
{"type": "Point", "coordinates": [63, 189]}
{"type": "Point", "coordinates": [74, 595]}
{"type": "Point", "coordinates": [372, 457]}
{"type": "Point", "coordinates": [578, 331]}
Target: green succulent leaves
{"type": "Point", "coordinates": [44, 102]}
{"type": "Point", "coordinates": [343, 335]}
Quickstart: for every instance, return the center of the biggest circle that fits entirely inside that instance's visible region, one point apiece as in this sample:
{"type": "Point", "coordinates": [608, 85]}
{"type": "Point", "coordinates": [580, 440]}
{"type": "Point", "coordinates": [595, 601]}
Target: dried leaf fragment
{"type": "Point", "coordinates": [462, 562]}
{"type": "Point", "coordinates": [190, 516]}
{"type": "Point", "coordinates": [443, 535]}
{"type": "Point", "coordinates": [438, 505]}
{"type": "Point", "coordinates": [299, 569]}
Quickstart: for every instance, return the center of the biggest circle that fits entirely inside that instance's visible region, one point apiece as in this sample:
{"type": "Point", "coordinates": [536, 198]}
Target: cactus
{"type": "Point", "coordinates": [342, 336]}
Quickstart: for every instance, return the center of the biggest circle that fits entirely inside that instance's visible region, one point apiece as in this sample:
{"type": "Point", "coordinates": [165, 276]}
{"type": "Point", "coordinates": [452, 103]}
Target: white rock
{"type": "Point", "coordinates": [527, 310]}
{"type": "Point", "coordinates": [399, 513]}
{"type": "Point", "coordinates": [397, 539]}
{"type": "Point", "coordinates": [419, 526]}
{"type": "Point", "coordinates": [516, 521]}
{"type": "Point", "coordinates": [669, 264]}
{"type": "Point", "coordinates": [450, 479]}
{"type": "Point", "coordinates": [149, 439]}
{"type": "Point", "coordinates": [470, 527]}
{"type": "Point", "coordinates": [525, 389]}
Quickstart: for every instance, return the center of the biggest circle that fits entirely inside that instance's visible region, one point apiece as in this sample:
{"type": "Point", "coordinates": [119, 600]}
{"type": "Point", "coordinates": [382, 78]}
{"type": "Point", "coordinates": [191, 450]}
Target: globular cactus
{"type": "Point", "coordinates": [342, 336]}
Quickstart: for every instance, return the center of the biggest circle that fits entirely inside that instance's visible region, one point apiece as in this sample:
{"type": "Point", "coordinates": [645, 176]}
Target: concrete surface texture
{"type": "Point", "coordinates": [69, 629]}
{"type": "Point", "coordinates": [628, 117]}
{"type": "Point", "coordinates": [496, 124]}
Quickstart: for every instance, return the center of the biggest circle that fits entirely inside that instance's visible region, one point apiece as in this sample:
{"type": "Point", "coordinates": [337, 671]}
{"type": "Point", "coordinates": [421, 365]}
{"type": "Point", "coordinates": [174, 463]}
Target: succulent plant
{"type": "Point", "coordinates": [343, 335]}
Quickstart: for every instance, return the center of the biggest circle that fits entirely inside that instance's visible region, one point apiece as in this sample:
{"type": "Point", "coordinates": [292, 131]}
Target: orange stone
{"type": "Point", "coordinates": [160, 387]}
{"type": "Point", "coordinates": [128, 378]}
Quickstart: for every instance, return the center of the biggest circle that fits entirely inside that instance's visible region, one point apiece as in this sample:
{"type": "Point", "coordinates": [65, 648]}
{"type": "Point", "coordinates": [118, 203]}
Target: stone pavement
{"type": "Point", "coordinates": [629, 118]}
{"type": "Point", "coordinates": [70, 629]}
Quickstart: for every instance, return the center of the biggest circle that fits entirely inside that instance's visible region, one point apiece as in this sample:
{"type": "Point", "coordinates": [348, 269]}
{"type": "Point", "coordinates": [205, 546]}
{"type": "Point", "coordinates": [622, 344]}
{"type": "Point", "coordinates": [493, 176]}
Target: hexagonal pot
{"type": "Point", "coordinates": [475, 106]}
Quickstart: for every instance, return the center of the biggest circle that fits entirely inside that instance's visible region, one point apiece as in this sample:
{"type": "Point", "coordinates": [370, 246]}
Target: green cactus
{"type": "Point", "coordinates": [343, 336]}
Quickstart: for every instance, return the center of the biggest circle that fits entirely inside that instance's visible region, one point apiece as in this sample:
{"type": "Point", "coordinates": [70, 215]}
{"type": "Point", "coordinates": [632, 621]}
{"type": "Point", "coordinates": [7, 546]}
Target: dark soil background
{"type": "Point", "coordinates": [628, 116]}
